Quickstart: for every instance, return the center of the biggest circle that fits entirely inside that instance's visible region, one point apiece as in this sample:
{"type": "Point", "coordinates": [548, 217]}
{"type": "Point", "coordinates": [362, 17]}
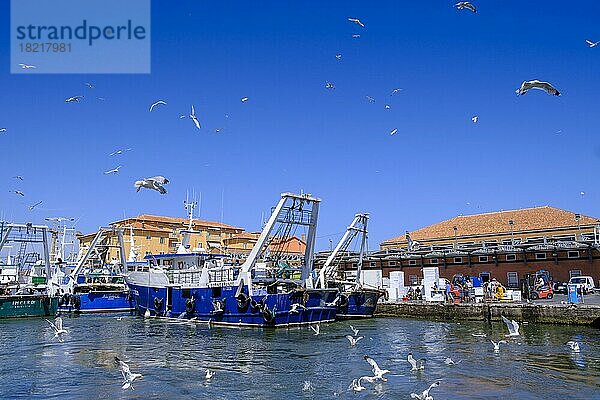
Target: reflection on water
{"type": "Point", "coordinates": [267, 364]}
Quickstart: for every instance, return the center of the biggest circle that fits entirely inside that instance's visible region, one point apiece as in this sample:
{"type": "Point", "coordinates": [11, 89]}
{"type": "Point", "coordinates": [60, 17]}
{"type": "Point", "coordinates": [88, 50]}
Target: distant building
{"type": "Point", "coordinates": [504, 245]}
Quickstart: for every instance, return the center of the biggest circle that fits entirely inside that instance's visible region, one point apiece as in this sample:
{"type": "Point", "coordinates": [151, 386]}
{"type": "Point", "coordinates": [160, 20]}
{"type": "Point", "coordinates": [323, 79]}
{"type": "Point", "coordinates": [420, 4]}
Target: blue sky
{"type": "Point", "coordinates": [293, 134]}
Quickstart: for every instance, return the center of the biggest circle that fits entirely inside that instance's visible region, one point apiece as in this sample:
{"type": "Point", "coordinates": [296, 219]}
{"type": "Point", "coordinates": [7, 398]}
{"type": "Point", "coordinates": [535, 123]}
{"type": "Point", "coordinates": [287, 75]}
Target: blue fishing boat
{"type": "Point", "coordinates": [95, 284]}
{"type": "Point", "coordinates": [206, 287]}
{"type": "Point", "coordinates": [356, 299]}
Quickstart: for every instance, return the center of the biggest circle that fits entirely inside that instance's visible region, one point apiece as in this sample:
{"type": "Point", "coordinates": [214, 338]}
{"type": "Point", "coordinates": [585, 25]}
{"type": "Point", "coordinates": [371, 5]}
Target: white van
{"type": "Point", "coordinates": [585, 282]}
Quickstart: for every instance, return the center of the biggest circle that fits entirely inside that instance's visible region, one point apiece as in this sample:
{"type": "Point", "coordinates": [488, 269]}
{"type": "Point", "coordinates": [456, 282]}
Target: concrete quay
{"type": "Point", "coordinates": [565, 314]}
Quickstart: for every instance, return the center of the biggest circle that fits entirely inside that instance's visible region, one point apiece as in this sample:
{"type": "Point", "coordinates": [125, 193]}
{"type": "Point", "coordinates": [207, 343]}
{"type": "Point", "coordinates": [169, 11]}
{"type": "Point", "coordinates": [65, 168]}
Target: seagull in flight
{"type": "Point", "coordinates": [209, 374]}
{"type": "Point", "coordinates": [128, 376]}
{"type": "Point", "coordinates": [338, 56]}
{"type": "Point", "coordinates": [112, 171]}
{"type": "Point", "coordinates": [294, 308]}
{"type": "Point", "coordinates": [497, 345]}
{"type": "Point", "coordinates": [119, 152]}
{"type": "Point", "coordinates": [573, 345]}
{"type": "Point", "coordinates": [415, 365]}
{"type": "Point", "coordinates": [461, 5]}
{"type": "Point", "coordinates": [354, 330]}
{"type": "Point", "coordinates": [356, 385]}
{"type": "Point", "coordinates": [245, 99]}
{"type": "Point", "coordinates": [592, 44]}
{"type": "Point", "coordinates": [394, 91]}
{"type": "Point", "coordinates": [154, 183]}
{"type": "Point", "coordinates": [57, 325]}
{"type": "Point", "coordinates": [449, 361]}
{"type": "Point", "coordinates": [193, 117]}
{"type": "Point", "coordinates": [582, 193]}
{"type": "Point", "coordinates": [512, 325]}
{"type": "Point", "coordinates": [393, 131]}
{"type": "Point", "coordinates": [425, 395]}
{"type": "Point", "coordinates": [59, 219]}
{"type": "Point", "coordinates": [536, 84]}
{"type": "Point", "coordinates": [378, 373]}
{"type": "Point", "coordinates": [19, 177]}
{"type": "Point", "coordinates": [370, 99]}
{"type": "Point", "coordinates": [316, 328]}
{"type": "Point", "coordinates": [355, 36]}
{"type": "Point", "coordinates": [475, 118]}
{"type": "Point", "coordinates": [329, 85]}
{"type": "Point", "coordinates": [2, 130]}
{"type": "Point", "coordinates": [35, 205]}
{"type": "Point", "coordinates": [157, 103]}
{"type": "Point", "coordinates": [74, 99]}
{"type": "Point", "coordinates": [357, 22]}
{"type": "Point", "coordinates": [353, 340]}
{"type": "Point", "coordinates": [387, 107]}
{"type": "Point", "coordinates": [25, 66]}
{"type": "Point", "coordinates": [18, 192]}
{"type": "Point", "coordinates": [89, 85]}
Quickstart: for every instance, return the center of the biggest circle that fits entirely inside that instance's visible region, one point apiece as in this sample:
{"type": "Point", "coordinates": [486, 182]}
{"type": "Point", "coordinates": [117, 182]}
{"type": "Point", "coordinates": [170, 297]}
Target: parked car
{"type": "Point", "coordinates": [560, 287]}
{"type": "Point", "coordinates": [586, 283]}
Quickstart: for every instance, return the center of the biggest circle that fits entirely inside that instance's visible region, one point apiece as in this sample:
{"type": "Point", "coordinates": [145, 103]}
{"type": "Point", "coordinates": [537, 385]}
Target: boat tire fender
{"type": "Point", "coordinates": [158, 303]}
{"type": "Point", "coordinates": [243, 300]}
{"type": "Point", "coordinates": [190, 306]}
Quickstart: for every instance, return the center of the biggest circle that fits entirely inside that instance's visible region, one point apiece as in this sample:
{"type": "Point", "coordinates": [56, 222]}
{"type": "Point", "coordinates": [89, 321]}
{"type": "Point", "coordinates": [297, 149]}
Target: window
{"type": "Point", "coordinates": [412, 262]}
{"type": "Point", "coordinates": [573, 254]}
{"type": "Point", "coordinates": [433, 261]}
{"type": "Point", "coordinates": [162, 240]}
{"type": "Point", "coordinates": [483, 258]}
{"type": "Point", "coordinates": [457, 260]}
{"type": "Point", "coordinates": [148, 237]}
{"type": "Point", "coordinates": [540, 256]}
{"type": "Point", "coordinates": [574, 272]}
{"type": "Point", "coordinates": [485, 276]}
{"type": "Point", "coordinates": [512, 279]}
{"type": "Point", "coordinates": [412, 280]}
{"type": "Point", "coordinates": [391, 263]}
{"type": "Point", "coordinates": [511, 257]}
{"type": "Point", "coordinates": [372, 264]}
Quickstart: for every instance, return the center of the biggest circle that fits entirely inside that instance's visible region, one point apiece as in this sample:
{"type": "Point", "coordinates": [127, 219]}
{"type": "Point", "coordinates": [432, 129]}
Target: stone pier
{"type": "Point", "coordinates": [580, 314]}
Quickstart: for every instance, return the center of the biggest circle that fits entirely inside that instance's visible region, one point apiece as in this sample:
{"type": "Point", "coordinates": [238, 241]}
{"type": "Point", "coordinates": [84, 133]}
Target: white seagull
{"type": "Point", "coordinates": [244, 99]}
{"type": "Point", "coordinates": [357, 22]}
{"type": "Point", "coordinates": [294, 308]}
{"type": "Point", "coordinates": [316, 328]}
{"type": "Point", "coordinates": [512, 325]}
{"type": "Point", "coordinates": [353, 340]}
{"type": "Point", "coordinates": [74, 99]}
{"type": "Point", "coordinates": [159, 102]}
{"type": "Point", "coordinates": [338, 56]}
{"type": "Point", "coordinates": [387, 107]}
{"type": "Point", "coordinates": [89, 85]}
{"type": "Point", "coordinates": [19, 177]}
{"type": "Point", "coordinates": [461, 5]}
{"type": "Point", "coordinates": [497, 345]}
{"type": "Point", "coordinates": [193, 117]}
{"type": "Point", "coordinates": [356, 385]}
{"type": "Point", "coordinates": [573, 345]}
{"type": "Point", "coordinates": [354, 330]}
{"type": "Point", "coordinates": [25, 66]}
{"type": "Point", "coordinates": [113, 171]}
{"type": "Point", "coordinates": [425, 395]}
{"type": "Point", "coordinates": [370, 99]}
{"type": "Point", "coordinates": [378, 373]}
{"type": "Point", "coordinates": [209, 374]}
{"type": "Point", "coordinates": [355, 36]}
{"type": "Point", "coordinates": [535, 84]}
{"type": "Point", "coordinates": [329, 85]}
{"type": "Point", "coordinates": [18, 192]}
{"type": "Point", "coordinates": [2, 130]}
{"type": "Point", "coordinates": [128, 376]}
{"type": "Point", "coordinates": [118, 152]}
{"type": "Point", "coordinates": [58, 327]}
{"type": "Point", "coordinates": [393, 131]}
{"type": "Point", "coordinates": [31, 207]}
{"type": "Point", "coordinates": [591, 44]}
{"type": "Point", "coordinates": [394, 91]}
{"type": "Point", "coordinates": [449, 361]}
{"type": "Point", "coordinates": [475, 118]}
{"type": "Point", "coordinates": [415, 365]}
{"type": "Point", "coordinates": [154, 183]}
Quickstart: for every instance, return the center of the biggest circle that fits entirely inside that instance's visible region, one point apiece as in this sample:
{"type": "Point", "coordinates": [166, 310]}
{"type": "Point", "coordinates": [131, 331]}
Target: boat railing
{"type": "Point", "coordinates": [184, 277]}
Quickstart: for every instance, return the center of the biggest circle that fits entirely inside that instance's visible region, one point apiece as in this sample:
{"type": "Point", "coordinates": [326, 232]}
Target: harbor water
{"type": "Point", "coordinates": [294, 363]}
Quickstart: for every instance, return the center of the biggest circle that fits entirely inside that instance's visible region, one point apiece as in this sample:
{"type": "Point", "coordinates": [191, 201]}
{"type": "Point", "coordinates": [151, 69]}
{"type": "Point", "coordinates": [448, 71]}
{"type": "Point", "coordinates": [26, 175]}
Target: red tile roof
{"type": "Point", "coordinates": [525, 219]}
{"type": "Point", "coordinates": [148, 218]}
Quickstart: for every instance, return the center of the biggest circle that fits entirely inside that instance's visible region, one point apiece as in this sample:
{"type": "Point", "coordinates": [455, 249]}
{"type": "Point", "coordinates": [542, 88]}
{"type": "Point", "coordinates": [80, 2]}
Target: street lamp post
{"type": "Point", "coordinates": [512, 233]}
{"type": "Point", "coordinates": [455, 237]}
{"type": "Point", "coordinates": [578, 219]}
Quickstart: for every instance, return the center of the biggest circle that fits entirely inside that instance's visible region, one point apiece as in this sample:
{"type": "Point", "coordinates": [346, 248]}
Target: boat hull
{"type": "Point", "coordinates": [265, 310]}
{"type": "Point", "coordinates": [97, 302]}
{"type": "Point", "coordinates": [18, 306]}
{"type": "Point", "coordinates": [358, 304]}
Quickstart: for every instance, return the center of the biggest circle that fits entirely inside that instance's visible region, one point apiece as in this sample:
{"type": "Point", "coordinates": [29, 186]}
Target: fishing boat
{"type": "Point", "coordinates": [96, 283]}
{"type": "Point", "coordinates": [24, 289]}
{"type": "Point", "coordinates": [356, 299]}
{"type": "Point", "coordinates": [199, 285]}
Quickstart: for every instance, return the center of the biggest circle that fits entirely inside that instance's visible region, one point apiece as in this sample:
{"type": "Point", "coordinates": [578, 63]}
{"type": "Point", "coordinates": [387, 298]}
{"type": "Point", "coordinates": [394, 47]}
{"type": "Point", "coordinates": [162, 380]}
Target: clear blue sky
{"type": "Point", "coordinates": [293, 134]}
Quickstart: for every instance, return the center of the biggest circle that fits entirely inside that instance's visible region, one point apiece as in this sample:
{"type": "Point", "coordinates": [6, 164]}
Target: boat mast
{"type": "Point", "coordinates": [184, 246]}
